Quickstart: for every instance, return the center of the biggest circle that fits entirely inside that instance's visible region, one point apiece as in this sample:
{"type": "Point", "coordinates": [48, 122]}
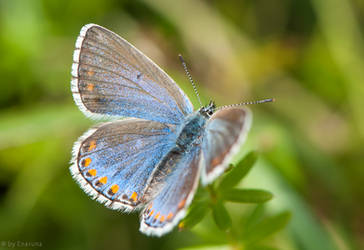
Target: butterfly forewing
{"type": "Point", "coordinates": [112, 78]}
{"type": "Point", "coordinates": [114, 161]}
{"type": "Point", "coordinates": [225, 132]}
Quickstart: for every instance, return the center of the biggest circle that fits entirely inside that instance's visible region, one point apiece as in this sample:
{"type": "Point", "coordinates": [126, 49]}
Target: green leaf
{"type": "Point", "coordinates": [246, 195]}
{"type": "Point", "coordinates": [233, 177]}
{"type": "Point", "coordinates": [255, 216]}
{"type": "Point", "coordinates": [221, 216]}
{"type": "Point", "coordinates": [196, 213]}
{"type": "Point", "coordinates": [267, 227]}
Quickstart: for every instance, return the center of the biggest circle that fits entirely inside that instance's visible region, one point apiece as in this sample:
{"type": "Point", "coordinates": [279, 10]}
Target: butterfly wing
{"type": "Point", "coordinates": [113, 163]}
{"type": "Point", "coordinates": [225, 132]}
{"type": "Point", "coordinates": [110, 77]}
{"type": "Point", "coordinates": [171, 191]}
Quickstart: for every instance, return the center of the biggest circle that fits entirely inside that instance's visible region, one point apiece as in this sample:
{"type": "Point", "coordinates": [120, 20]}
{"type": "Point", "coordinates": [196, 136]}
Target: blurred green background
{"type": "Point", "coordinates": [309, 55]}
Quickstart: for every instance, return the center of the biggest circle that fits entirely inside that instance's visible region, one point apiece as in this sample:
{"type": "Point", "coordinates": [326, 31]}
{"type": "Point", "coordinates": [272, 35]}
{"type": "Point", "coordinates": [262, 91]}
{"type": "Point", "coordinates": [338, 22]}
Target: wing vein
{"type": "Point", "coordinates": [124, 77]}
{"type": "Point", "coordinates": [116, 52]}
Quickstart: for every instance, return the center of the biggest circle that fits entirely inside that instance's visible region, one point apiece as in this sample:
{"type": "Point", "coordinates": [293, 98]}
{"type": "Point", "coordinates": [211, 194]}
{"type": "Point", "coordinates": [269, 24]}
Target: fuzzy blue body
{"type": "Point", "coordinates": [191, 131]}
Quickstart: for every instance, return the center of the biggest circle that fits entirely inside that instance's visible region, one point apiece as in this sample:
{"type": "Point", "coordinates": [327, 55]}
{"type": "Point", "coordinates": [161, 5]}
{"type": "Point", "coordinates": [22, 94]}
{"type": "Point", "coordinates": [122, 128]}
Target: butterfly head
{"type": "Point", "coordinates": [208, 110]}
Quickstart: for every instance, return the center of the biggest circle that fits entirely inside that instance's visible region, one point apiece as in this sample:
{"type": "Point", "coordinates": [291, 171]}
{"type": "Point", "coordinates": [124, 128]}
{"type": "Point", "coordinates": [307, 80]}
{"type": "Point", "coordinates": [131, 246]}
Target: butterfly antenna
{"type": "Point", "coordinates": [246, 103]}
{"type": "Point", "coordinates": [190, 78]}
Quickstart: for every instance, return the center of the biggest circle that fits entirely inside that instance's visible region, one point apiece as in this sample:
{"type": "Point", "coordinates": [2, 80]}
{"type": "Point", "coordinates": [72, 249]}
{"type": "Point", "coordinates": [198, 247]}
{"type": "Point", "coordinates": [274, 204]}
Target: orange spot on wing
{"type": "Point", "coordinates": [216, 161]}
{"type": "Point", "coordinates": [157, 215]}
{"type": "Point", "coordinates": [92, 145]}
{"type": "Point", "coordinates": [92, 172]}
{"type": "Point", "coordinates": [169, 216]}
{"type": "Point", "coordinates": [114, 188]}
{"type": "Point", "coordinates": [134, 196]}
{"type": "Point", "coordinates": [162, 218]}
{"type": "Point", "coordinates": [103, 180]}
{"type": "Point", "coordinates": [87, 162]}
{"type": "Point", "coordinates": [150, 206]}
{"type": "Point", "coordinates": [90, 87]}
{"type": "Point", "coordinates": [181, 204]}
{"type": "Point", "coordinates": [90, 73]}
{"type": "Point", "coordinates": [151, 212]}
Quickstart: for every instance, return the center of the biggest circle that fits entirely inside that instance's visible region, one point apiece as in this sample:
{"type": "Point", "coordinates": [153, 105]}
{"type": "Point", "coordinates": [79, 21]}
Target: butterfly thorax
{"type": "Point", "coordinates": [191, 131]}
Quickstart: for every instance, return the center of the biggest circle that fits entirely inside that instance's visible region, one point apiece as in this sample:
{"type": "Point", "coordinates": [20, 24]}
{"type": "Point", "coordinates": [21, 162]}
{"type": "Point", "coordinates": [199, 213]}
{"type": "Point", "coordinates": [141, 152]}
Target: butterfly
{"type": "Point", "coordinates": [152, 159]}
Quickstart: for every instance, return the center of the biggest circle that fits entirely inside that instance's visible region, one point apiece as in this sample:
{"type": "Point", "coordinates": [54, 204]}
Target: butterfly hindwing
{"type": "Point", "coordinates": [225, 132]}
{"type": "Point", "coordinates": [171, 191]}
{"type": "Point", "coordinates": [110, 77]}
{"type": "Point", "coordinates": [113, 162]}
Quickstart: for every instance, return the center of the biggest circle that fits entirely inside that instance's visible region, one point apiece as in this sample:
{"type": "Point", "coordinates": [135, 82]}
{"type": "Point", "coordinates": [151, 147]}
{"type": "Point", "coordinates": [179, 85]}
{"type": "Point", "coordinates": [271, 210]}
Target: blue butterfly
{"type": "Point", "coordinates": [153, 160]}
